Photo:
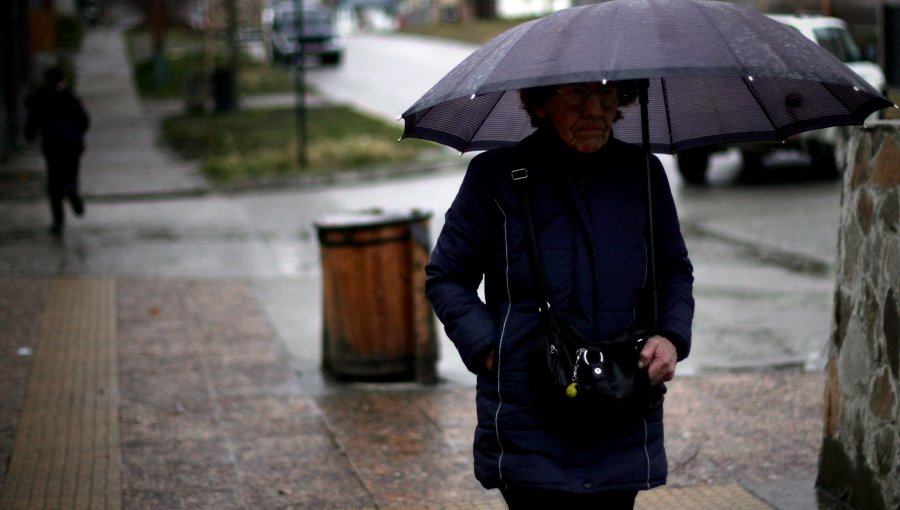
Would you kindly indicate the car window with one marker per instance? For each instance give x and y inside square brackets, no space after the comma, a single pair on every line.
[314,22]
[839,43]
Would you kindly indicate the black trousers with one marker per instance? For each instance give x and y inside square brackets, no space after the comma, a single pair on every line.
[527,499]
[62,183]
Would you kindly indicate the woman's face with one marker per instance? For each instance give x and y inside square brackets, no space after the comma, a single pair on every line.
[583,114]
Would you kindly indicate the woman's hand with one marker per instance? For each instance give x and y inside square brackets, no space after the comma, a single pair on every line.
[489,360]
[659,357]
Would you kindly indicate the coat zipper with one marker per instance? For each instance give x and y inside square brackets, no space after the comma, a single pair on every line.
[500,343]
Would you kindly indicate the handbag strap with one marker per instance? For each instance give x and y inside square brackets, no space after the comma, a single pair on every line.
[520,182]
[519,177]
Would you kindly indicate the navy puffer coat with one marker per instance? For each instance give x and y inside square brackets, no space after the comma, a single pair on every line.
[589,212]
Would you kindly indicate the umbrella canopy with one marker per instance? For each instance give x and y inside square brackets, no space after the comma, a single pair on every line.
[718,73]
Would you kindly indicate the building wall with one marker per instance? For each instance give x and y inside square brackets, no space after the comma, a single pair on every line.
[14,68]
[860,458]
[521,8]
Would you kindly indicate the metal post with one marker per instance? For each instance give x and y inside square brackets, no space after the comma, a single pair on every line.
[234,55]
[643,93]
[300,82]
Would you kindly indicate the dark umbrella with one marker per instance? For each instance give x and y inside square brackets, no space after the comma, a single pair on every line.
[709,73]
[718,73]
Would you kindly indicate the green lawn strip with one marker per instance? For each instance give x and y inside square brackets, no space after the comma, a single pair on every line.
[260,143]
[165,77]
[477,31]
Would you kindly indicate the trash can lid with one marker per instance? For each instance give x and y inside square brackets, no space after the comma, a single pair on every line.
[369,218]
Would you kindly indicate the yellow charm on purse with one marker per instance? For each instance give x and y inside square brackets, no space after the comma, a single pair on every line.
[572,390]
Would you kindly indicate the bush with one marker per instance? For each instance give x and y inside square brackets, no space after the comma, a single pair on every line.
[69,32]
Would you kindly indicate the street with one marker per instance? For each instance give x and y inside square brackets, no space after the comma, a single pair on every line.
[763,252]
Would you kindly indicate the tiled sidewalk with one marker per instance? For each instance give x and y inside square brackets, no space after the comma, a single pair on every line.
[210,415]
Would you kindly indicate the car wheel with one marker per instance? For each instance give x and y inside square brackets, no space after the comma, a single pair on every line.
[824,159]
[752,161]
[331,59]
[692,165]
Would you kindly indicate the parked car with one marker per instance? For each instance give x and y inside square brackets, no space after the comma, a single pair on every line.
[319,33]
[824,146]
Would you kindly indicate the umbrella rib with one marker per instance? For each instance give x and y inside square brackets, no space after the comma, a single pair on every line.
[762,106]
[481,124]
[836,98]
[665,95]
[521,31]
[726,42]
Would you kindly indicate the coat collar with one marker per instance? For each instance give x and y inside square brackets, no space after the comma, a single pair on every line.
[544,148]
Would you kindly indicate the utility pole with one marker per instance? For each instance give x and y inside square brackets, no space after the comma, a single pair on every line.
[234,52]
[300,85]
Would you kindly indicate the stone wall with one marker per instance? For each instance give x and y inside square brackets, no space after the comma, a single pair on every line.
[860,458]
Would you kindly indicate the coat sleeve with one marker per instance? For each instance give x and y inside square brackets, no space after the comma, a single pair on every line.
[673,268]
[457,266]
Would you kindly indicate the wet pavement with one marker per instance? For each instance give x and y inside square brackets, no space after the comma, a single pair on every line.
[213,301]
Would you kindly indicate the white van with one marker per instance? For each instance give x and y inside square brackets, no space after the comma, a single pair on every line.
[319,34]
[823,145]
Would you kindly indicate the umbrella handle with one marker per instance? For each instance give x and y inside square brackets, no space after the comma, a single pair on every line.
[643,88]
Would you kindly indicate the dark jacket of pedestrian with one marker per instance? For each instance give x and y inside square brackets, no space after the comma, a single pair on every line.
[57,114]
[589,212]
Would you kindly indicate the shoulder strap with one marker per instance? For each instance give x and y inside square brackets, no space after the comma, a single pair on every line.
[520,183]
[519,177]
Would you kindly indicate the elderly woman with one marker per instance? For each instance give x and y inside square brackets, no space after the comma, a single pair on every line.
[588,193]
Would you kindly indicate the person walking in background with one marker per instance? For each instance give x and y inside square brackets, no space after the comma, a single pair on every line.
[589,214]
[57,114]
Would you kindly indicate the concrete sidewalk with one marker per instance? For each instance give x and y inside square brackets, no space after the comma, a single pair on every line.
[123,158]
[169,393]
[141,392]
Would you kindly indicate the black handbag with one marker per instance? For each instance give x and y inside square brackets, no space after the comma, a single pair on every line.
[576,382]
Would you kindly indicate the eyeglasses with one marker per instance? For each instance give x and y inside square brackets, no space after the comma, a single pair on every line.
[577,96]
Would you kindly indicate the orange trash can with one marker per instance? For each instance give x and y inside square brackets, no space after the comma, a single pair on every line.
[377,323]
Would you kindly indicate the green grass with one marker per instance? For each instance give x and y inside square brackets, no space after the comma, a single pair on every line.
[165,77]
[69,32]
[476,31]
[260,143]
